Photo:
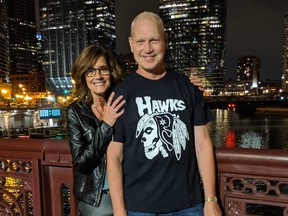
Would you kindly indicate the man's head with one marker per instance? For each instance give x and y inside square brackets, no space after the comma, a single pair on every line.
[148,42]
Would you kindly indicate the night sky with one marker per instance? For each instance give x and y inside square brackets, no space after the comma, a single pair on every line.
[254,27]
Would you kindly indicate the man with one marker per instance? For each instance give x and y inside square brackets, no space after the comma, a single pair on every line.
[161,143]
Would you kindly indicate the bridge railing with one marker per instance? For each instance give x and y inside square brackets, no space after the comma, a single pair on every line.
[36,178]
[253,181]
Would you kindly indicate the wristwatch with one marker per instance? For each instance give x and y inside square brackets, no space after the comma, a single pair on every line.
[211,199]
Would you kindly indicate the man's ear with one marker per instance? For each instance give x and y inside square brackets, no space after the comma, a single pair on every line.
[130,44]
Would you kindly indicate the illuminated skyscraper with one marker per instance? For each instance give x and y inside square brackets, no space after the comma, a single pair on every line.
[248,72]
[285,56]
[196,36]
[4,45]
[248,68]
[68,26]
[22,36]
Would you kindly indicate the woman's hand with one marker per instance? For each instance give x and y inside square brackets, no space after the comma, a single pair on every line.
[197,81]
[112,111]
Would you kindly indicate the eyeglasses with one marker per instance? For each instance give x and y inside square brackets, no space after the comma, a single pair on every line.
[102,70]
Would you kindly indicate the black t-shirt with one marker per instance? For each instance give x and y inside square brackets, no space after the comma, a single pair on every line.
[159,168]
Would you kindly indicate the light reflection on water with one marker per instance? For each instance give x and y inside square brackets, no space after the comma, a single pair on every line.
[259,131]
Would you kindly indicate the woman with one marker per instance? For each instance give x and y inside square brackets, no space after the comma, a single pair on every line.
[89,124]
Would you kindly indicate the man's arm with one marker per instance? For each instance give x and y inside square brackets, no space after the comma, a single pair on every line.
[206,164]
[115,177]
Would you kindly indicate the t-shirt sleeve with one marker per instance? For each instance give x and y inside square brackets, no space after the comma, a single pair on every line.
[119,132]
[118,135]
[202,113]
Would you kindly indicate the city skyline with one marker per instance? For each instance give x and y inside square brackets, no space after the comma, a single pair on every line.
[254,27]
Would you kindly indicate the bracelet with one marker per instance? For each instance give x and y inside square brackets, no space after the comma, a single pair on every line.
[211,199]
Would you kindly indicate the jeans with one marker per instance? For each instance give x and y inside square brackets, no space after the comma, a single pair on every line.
[104,209]
[194,211]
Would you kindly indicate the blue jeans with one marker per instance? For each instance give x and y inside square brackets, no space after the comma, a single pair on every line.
[194,211]
[104,209]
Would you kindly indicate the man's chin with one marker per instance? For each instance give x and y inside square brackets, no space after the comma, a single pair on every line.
[149,68]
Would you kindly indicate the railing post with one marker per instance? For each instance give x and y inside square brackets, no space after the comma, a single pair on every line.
[58,180]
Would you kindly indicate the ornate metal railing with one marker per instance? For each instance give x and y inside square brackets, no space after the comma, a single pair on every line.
[36,178]
[253,181]
[20,178]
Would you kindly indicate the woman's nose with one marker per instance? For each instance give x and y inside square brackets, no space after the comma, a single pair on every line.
[98,75]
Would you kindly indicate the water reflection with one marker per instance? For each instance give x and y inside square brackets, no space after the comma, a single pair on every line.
[231,130]
[259,131]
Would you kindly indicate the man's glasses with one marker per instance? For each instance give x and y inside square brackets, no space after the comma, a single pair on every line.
[102,70]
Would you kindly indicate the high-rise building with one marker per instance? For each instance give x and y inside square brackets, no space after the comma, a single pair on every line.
[248,72]
[196,36]
[285,56]
[127,63]
[4,44]
[23,50]
[67,27]
[22,36]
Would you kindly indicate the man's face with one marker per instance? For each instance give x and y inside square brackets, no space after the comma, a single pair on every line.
[148,44]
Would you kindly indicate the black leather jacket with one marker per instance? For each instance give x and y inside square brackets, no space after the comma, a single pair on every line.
[88,140]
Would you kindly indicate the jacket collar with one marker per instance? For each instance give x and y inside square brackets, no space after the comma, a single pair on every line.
[85,110]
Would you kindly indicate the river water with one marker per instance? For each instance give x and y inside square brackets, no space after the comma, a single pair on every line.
[259,131]
[228,129]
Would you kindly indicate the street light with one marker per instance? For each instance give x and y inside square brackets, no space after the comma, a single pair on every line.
[3,94]
[4,91]
[20,94]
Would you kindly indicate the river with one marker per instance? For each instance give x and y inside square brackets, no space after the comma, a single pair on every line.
[228,129]
[259,131]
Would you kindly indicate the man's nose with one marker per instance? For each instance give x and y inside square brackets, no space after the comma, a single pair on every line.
[147,47]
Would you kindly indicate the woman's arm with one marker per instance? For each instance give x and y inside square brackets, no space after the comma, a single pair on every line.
[197,81]
[87,144]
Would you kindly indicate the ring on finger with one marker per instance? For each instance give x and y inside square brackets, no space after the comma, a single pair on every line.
[114,110]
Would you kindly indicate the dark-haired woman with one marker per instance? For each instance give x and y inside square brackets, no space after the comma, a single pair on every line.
[90,120]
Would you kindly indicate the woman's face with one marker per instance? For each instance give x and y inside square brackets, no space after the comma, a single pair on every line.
[97,77]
